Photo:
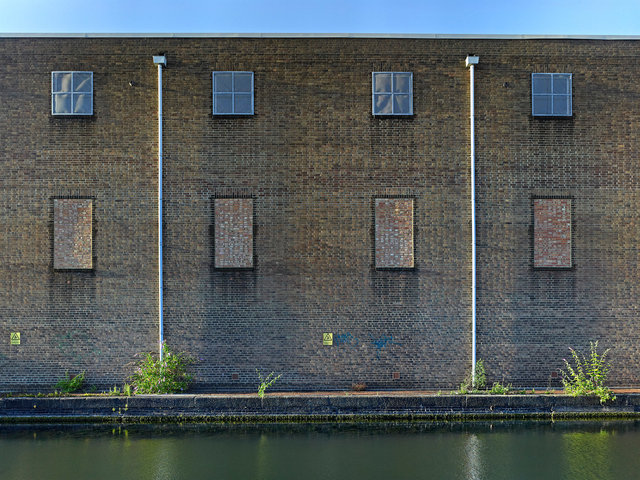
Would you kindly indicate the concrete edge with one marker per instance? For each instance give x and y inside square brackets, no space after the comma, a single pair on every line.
[320,408]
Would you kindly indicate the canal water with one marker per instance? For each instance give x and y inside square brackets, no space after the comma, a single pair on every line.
[389,451]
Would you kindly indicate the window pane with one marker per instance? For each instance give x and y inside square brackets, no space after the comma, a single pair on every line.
[81,82]
[222,82]
[541,83]
[401,82]
[223,103]
[560,104]
[82,103]
[382,82]
[382,104]
[561,83]
[242,103]
[242,82]
[62,103]
[401,104]
[542,105]
[62,82]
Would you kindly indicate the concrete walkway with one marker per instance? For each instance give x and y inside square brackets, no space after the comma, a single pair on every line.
[292,407]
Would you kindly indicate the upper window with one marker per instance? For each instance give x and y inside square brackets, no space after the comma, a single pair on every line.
[551,94]
[72,93]
[233,93]
[392,93]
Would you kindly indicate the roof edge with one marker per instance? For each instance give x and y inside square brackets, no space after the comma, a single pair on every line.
[323,35]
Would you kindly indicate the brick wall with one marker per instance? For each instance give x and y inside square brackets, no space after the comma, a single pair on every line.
[309,167]
[528,317]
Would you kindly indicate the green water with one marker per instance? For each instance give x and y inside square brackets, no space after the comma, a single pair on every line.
[499,450]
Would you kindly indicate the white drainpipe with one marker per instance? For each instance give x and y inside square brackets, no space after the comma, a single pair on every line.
[470,62]
[160,61]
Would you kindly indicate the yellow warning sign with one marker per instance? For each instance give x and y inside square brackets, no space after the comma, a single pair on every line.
[327,339]
[15,338]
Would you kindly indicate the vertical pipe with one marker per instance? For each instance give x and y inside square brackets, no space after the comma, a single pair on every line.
[471,61]
[473,228]
[160,277]
[160,61]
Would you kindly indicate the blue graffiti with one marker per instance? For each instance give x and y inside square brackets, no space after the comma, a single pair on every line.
[345,339]
[381,343]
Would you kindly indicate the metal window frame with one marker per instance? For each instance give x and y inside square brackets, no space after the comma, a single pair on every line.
[72,92]
[232,92]
[568,95]
[392,93]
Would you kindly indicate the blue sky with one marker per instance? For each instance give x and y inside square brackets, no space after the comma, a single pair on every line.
[557,17]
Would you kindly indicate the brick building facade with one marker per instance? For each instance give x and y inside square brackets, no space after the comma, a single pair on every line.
[303,213]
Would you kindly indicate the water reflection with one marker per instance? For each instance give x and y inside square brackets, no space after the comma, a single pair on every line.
[262,457]
[404,450]
[588,455]
[473,457]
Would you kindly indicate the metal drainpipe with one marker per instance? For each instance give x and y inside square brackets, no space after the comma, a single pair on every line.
[470,62]
[160,61]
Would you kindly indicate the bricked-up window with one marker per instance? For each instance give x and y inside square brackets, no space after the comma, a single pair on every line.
[551,94]
[233,232]
[392,93]
[72,93]
[552,233]
[72,234]
[233,93]
[394,232]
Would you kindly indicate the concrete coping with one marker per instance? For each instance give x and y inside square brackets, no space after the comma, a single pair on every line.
[275,407]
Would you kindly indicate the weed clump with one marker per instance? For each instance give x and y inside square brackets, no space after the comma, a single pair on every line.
[168,375]
[70,383]
[588,375]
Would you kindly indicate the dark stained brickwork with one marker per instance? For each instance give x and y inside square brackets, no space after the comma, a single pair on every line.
[72,233]
[233,232]
[552,232]
[313,159]
[394,232]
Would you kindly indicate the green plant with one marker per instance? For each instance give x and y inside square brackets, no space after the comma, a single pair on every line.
[70,384]
[265,382]
[500,389]
[126,389]
[588,375]
[168,375]
[115,391]
[481,376]
[470,385]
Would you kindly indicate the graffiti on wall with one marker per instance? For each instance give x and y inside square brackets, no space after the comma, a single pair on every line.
[380,344]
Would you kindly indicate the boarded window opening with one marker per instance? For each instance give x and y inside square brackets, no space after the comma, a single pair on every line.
[552,233]
[72,234]
[394,233]
[233,224]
